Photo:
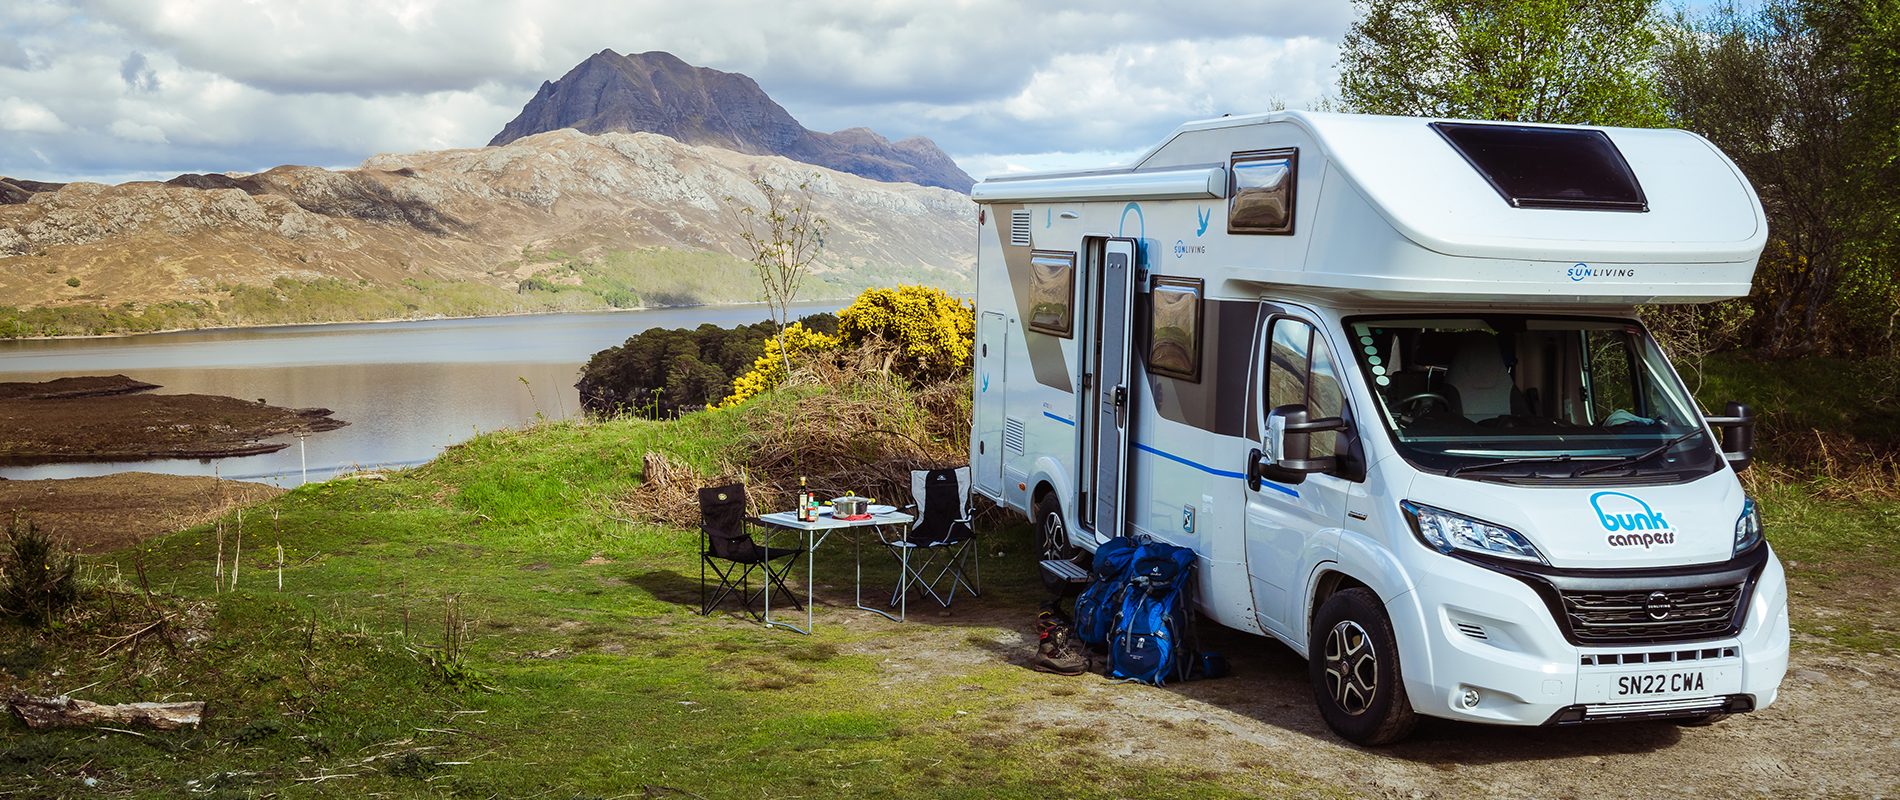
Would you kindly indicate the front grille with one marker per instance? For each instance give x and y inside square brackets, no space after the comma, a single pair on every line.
[1619,617]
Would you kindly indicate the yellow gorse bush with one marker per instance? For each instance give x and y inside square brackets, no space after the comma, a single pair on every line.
[934,331]
[769,369]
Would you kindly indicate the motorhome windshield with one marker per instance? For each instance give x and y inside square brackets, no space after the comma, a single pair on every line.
[1515,397]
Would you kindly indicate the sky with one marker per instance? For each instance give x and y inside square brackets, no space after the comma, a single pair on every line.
[117,90]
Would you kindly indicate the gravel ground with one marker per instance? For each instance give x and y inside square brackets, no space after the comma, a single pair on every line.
[1831,733]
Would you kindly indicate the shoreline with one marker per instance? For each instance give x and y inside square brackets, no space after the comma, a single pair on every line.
[845,300]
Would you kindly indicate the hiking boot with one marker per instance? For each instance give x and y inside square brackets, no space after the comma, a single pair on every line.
[1058,652]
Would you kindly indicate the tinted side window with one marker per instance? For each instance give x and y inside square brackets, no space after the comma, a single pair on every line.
[1260,192]
[1052,292]
[1174,335]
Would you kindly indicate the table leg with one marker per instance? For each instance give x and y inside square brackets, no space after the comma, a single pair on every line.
[858,556]
[810,566]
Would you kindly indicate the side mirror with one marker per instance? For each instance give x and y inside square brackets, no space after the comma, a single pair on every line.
[1289,456]
[1737,426]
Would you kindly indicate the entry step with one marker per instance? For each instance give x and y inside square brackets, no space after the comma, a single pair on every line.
[1065,570]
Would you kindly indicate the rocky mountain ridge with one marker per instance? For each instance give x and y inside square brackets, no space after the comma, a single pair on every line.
[454,215]
[656,92]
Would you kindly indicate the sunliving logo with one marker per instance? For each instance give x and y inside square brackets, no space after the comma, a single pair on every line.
[1631,522]
[1581,271]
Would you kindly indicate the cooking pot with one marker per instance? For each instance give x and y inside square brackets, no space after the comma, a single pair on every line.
[850,506]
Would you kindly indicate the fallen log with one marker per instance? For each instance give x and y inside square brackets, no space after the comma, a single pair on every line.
[50,712]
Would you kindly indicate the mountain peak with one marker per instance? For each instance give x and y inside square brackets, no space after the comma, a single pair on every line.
[656,92]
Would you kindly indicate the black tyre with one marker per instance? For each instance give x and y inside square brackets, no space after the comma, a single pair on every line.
[1354,664]
[1052,535]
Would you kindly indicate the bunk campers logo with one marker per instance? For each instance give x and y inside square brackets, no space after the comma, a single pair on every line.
[1631,522]
[1183,249]
[1585,271]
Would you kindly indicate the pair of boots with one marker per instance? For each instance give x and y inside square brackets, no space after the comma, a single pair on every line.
[1057,649]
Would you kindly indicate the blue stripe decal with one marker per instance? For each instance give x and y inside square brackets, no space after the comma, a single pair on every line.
[1212,471]
[1056,418]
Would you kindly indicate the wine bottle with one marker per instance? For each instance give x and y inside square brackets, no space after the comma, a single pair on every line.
[806,511]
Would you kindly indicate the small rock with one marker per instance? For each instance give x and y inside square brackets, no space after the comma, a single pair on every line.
[1812,677]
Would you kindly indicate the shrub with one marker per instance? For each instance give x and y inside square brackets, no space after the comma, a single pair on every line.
[934,331]
[39,576]
[73,282]
[769,369]
[536,285]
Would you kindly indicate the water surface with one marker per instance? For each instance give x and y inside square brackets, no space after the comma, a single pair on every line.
[408,389]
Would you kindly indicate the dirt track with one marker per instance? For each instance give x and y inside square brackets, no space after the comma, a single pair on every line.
[1831,734]
[99,515]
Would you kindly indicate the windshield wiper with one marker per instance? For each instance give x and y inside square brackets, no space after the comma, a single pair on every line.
[1645,456]
[1557,459]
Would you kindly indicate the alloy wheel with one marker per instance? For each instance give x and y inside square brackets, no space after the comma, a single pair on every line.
[1352,667]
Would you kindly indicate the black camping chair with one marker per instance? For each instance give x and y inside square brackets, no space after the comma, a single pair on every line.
[726,546]
[941,536]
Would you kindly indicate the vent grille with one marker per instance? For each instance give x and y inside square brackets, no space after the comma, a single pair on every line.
[1013,435]
[1473,631]
[1665,657]
[1612,617]
[1019,227]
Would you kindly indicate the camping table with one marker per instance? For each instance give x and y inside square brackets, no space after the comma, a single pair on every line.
[815,534]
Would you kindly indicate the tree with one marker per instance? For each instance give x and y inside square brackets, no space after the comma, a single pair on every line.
[1796,92]
[1562,61]
[784,238]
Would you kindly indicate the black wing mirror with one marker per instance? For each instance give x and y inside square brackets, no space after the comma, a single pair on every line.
[1289,457]
[1738,434]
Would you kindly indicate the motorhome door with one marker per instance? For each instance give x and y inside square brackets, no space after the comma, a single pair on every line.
[1103,412]
[1293,365]
[992,345]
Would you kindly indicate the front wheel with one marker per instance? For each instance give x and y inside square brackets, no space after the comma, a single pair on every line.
[1353,660]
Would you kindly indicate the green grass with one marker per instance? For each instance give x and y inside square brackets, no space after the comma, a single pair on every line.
[1843,564]
[571,680]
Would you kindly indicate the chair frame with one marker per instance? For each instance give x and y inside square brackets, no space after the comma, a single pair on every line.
[956,561]
[766,554]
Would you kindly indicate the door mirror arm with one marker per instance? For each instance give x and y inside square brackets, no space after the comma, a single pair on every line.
[1737,427]
[1289,456]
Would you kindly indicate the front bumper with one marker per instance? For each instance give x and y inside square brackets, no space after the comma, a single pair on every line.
[1474,628]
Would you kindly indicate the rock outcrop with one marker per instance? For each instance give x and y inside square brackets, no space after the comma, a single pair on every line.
[658,93]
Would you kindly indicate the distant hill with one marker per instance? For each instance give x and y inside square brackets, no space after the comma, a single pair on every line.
[658,93]
[637,213]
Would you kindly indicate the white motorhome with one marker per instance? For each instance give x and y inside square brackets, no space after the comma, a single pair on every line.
[1385,377]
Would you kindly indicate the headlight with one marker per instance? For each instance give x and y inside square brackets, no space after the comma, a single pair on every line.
[1748,527]
[1446,532]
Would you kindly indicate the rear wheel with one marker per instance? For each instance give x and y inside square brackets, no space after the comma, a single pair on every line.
[1052,536]
[1353,660]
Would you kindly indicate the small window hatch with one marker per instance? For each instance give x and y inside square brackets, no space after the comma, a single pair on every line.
[1533,167]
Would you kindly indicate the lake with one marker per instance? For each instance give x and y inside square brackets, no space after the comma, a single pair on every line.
[408,389]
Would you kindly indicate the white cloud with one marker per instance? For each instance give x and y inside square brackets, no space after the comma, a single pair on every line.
[134,86]
[27,116]
[127,129]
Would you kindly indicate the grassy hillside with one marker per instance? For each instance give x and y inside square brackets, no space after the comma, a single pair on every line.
[496,624]
[556,280]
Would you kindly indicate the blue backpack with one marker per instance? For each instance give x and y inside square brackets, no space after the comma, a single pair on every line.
[1097,607]
[1146,643]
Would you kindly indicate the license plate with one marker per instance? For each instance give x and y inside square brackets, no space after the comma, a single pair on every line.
[1660,684]
[1656,682]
